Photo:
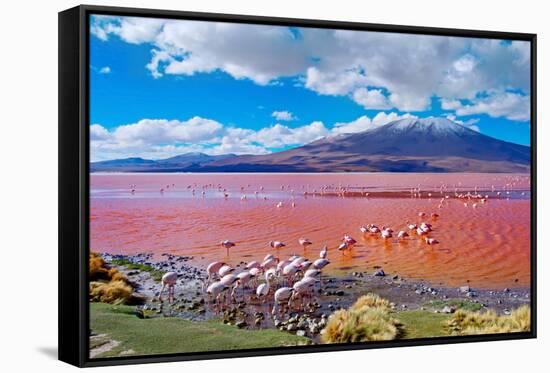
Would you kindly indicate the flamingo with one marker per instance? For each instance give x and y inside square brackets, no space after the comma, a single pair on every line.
[262,290]
[253,264]
[276,244]
[386,234]
[169,280]
[304,242]
[324,252]
[431,241]
[421,214]
[343,246]
[282,295]
[402,235]
[320,263]
[412,226]
[374,229]
[254,272]
[303,288]
[426,227]
[270,262]
[364,229]
[227,244]
[290,271]
[421,232]
[212,269]
[216,289]
[225,270]
[313,272]
[279,205]
[349,240]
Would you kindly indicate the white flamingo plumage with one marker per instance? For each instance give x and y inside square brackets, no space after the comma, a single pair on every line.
[304,242]
[169,280]
[324,252]
[227,245]
[282,295]
[225,270]
[276,244]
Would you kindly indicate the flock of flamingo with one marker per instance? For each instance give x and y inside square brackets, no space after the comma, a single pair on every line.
[283,282]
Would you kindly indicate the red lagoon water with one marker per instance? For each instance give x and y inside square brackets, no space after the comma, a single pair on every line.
[189,214]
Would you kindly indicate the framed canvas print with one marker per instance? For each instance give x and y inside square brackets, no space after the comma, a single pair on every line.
[239,186]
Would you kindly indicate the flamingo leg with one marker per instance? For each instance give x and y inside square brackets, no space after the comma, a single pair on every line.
[161,291]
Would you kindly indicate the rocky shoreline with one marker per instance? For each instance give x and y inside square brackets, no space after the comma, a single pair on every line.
[333,293]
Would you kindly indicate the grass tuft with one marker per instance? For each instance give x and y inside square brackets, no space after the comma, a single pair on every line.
[369,319]
[115,292]
[468,323]
[108,285]
[155,273]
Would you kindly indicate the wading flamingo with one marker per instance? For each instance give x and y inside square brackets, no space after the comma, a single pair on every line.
[168,280]
[323,253]
[215,290]
[304,242]
[281,296]
[402,235]
[276,244]
[227,244]
[213,269]
[431,241]
[225,270]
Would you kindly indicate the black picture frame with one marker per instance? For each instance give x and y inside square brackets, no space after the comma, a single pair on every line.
[74,160]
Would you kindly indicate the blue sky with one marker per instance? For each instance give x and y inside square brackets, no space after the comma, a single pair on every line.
[161,88]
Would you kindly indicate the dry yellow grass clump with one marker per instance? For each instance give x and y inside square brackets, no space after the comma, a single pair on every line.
[369,319]
[107,284]
[468,323]
[111,292]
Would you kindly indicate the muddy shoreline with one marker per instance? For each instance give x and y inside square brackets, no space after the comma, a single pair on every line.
[334,292]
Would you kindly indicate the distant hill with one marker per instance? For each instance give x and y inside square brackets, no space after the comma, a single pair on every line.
[407,145]
[183,162]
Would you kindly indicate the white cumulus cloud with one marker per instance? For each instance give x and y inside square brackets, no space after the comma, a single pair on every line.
[283,115]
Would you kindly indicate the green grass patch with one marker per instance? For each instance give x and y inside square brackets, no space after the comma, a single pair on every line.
[163,335]
[423,324]
[457,304]
[155,273]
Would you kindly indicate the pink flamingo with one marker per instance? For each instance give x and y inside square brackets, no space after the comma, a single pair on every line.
[281,296]
[343,247]
[402,235]
[290,271]
[227,245]
[324,252]
[276,244]
[349,240]
[216,289]
[431,241]
[169,280]
[270,262]
[253,264]
[386,234]
[303,288]
[225,270]
[320,263]
[304,242]
[212,269]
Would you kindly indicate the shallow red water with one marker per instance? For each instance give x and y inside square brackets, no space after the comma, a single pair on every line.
[489,245]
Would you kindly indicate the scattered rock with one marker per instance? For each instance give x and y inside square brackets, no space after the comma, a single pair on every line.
[380,273]
[464,289]
[301,333]
[447,309]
